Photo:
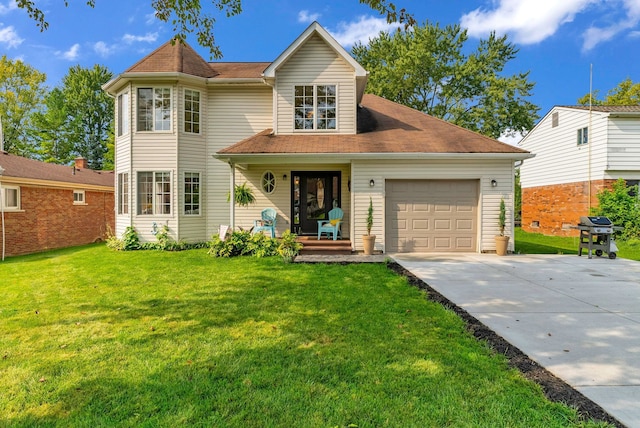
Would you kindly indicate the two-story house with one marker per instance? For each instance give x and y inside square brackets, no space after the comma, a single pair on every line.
[579,151]
[301,133]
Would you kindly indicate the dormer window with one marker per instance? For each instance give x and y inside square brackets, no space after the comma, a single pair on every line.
[315,107]
[154,109]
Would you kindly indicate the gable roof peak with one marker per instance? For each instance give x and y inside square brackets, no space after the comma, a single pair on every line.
[174,56]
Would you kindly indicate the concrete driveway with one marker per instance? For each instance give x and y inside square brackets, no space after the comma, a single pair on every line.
[577,317]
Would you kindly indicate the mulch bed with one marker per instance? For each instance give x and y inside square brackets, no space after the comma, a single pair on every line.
[554,388]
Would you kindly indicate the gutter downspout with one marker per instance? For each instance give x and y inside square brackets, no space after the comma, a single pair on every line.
[232,197]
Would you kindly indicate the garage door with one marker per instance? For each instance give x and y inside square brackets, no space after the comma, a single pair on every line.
[431,215]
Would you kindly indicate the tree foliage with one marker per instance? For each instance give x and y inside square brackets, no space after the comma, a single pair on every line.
[191,16]
[22,93]
[622,206]
[626,93]
[49,133]
[426,68]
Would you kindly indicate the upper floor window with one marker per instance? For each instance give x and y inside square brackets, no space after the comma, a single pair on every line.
[154,109]
[191,111]
[123,193]
[123,114]
[192,193]
[583,136]
[78,197]
[315,107]
[154,192]
[10,198]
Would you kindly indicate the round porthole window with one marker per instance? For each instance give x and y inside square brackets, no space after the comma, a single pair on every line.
[268,182]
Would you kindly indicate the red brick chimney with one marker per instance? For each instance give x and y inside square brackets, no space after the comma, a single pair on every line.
[81,163]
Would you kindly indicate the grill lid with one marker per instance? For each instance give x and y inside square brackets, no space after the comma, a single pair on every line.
[595,221]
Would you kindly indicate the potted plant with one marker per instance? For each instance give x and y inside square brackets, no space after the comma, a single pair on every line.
[369,240]
[289,247]
[502,241]
[243,195]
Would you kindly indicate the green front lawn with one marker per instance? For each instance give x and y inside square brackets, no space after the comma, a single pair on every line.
[536,243]
[92,337]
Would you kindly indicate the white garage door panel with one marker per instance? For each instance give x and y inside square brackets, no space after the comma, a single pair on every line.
[431,215]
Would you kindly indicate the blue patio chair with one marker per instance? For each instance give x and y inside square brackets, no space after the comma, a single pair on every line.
[267,222]
[331,226]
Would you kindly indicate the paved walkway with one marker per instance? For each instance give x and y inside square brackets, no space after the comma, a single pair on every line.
[577,317]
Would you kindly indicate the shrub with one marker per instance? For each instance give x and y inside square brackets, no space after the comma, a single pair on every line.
[622,207]
[130,241]
[234,245]
[261,245]
[289,247]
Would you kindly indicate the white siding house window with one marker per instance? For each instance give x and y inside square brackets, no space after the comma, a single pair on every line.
[154,192]
[315,107]
[123,114]
[191,111]
[583,136]
[154,109]
[123,193]
[11,198]
[78,197]
[192,193]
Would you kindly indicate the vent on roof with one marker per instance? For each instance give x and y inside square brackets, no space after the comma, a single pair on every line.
[554,119]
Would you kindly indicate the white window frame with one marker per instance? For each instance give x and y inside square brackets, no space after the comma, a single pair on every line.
[79,197]
[583,136]
[123,193]
[312,112]
[160,112]
[123,114]
[192,112]
[188,207]
[268,182]
[159,197]
[5,190]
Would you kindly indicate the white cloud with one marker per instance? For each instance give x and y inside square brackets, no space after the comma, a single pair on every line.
[9,37]
[362,30]
[149,38]
[305,17]
[103,49]
[530,22]
[11,5]
[70,55]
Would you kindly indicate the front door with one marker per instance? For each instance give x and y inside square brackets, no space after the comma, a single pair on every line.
[313,195]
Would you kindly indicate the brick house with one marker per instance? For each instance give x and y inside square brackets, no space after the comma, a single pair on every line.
[579,152]
[47,206]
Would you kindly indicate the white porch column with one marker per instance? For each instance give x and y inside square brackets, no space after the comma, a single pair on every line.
[232,199]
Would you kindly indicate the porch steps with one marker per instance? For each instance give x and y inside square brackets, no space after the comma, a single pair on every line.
[324,246]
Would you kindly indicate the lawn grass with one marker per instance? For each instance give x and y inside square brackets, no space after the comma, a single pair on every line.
[92,337]
[536,243]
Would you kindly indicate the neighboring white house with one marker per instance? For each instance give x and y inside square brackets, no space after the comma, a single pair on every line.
[302,134]
[579,151]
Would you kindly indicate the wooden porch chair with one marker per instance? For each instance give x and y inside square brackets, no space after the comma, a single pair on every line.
[267,222]
[331,226]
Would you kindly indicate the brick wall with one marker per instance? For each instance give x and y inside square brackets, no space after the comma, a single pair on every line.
[558,206]
[48,219]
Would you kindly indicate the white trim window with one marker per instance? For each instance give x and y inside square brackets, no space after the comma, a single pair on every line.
[154,192]
[154,109]
[191,111]
[583,136]
[315,107]
[123,193]
[192,193]
[123,114]
[268,182]
[78,197]
[11,198]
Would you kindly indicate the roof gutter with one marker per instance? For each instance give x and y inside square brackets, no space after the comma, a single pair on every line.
[22,181]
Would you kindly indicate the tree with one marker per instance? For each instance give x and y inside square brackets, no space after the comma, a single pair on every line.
[187,16]
[54,145]
[21,95]
[626,93]
[89,113]
[426,68]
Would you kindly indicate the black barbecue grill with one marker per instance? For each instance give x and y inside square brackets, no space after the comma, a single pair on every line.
[596,233]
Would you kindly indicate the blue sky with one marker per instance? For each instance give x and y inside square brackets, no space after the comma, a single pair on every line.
[557,40]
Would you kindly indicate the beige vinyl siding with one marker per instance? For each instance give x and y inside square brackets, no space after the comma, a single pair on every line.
[192,157]
[316,63]
[234,113]
[558,159]
[280,199]
[122,163]
[624,145]
[483,170]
